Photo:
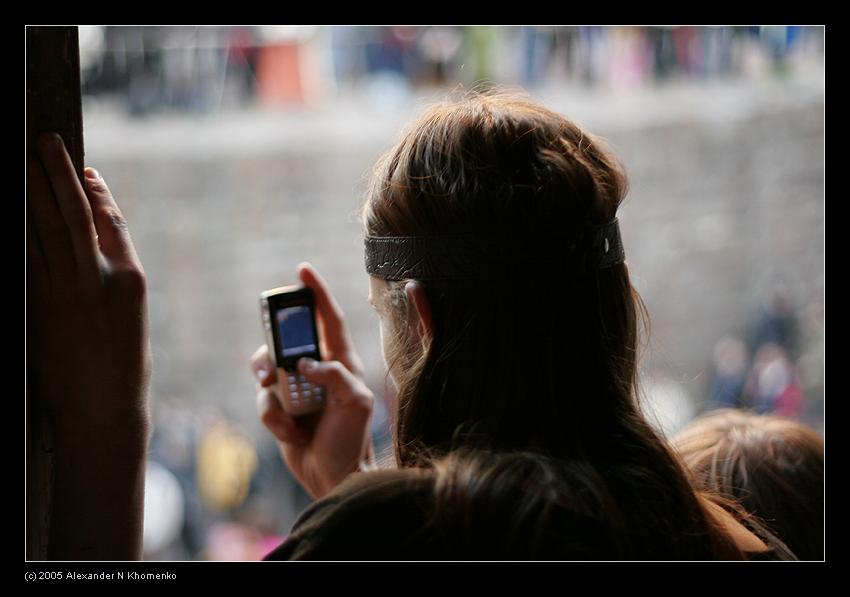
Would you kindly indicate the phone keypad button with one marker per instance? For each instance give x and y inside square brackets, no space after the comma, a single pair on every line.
[302,391]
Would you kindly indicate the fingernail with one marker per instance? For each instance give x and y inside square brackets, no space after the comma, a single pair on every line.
[92,173]
[306,364]
[262,374]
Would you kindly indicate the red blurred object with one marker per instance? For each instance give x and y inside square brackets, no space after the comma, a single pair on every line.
[279,76]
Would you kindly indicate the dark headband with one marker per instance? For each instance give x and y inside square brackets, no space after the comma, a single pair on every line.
[462,257]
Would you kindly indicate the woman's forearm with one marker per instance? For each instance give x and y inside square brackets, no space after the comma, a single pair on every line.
[98,494]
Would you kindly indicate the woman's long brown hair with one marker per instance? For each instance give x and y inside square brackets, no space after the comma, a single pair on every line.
[540,359]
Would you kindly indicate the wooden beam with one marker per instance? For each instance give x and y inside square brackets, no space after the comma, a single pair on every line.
[53,87]
[53,103]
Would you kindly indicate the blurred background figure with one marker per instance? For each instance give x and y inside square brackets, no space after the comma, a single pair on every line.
[242,52]
[730,371]
[164,514]
[773,466]
[244,525]
[226,464]
[237,152]
[439,47]
[537,46]
[173,447]
[775,323]
[810,365]
[772,385]
[667,404]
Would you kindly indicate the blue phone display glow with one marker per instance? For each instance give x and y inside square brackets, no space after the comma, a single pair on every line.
[295,325]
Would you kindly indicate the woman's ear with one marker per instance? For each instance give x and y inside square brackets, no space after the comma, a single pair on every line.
[417,297]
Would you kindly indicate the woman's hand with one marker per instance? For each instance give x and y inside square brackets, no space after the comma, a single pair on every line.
[89,346]
[321,449]
[89,357]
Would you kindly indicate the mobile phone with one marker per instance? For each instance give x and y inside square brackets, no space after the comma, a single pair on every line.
[290,324]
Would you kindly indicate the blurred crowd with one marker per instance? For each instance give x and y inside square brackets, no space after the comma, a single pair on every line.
[202,69]
[214,491]
[205,485]
[778,367]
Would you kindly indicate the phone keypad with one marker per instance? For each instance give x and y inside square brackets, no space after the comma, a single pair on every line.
[301,390]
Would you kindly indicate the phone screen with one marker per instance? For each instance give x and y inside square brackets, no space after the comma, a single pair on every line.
[289,320]
[296,331]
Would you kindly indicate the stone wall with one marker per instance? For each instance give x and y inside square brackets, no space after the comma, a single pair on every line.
[725,203]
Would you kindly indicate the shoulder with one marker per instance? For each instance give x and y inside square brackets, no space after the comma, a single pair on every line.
[777,549]
[754,540]
[769,555]
[370,516]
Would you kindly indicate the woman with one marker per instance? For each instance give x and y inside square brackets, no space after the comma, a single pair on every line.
[510,329]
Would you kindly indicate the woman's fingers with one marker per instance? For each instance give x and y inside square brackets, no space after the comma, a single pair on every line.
[263,368]
[49,229]
[113,234]
[72,202]
[282,426]
[341,385]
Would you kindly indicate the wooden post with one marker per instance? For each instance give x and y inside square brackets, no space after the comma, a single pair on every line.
[53,103]
[53,87]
